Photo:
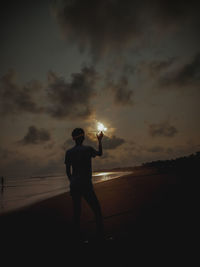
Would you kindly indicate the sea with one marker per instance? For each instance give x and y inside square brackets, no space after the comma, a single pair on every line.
[19,192]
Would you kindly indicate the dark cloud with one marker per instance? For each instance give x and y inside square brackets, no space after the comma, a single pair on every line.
[155,68]
[123,95]
[64,99]
[189,74]
[4,153]
[108,143]
[128,69]
[15,98]
[155,149]
[162,129]
[159,66]
[99,25]
[175,13]
[35,136]
[112,142]
[109,25]
[72,99]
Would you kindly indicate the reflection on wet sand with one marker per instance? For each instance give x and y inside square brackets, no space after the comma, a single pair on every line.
[104,176]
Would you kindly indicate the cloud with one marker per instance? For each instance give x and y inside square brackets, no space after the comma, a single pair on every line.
[35,136]
[63,99]
[16,99]
[189,74]
[101,25]
[162,129]
[175,13]
[4,153]
[71,99]
[155,149]
[160,149]
[112,142]
[123,96]
[104,26]
[108,143]
[155,68]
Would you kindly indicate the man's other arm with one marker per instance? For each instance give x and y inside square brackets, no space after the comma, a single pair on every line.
[68,171]
[68,166]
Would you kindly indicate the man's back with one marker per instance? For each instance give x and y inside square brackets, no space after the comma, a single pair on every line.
[79,158]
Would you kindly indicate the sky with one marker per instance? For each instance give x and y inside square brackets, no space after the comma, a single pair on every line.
[132,65]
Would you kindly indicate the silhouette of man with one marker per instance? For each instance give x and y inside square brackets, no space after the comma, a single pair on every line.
[79,172]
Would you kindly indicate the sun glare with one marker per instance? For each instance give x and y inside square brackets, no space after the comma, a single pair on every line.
[101,127]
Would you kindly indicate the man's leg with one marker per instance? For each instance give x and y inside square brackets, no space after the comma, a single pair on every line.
[76,198]
[93,202]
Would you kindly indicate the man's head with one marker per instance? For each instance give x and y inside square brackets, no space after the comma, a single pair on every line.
[78,135]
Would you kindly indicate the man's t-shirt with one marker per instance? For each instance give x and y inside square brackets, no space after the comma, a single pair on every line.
[79,158]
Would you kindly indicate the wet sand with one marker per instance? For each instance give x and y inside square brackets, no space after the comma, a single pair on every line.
[145,212]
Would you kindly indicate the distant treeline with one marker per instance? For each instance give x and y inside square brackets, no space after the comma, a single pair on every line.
[183,165]
[189,163]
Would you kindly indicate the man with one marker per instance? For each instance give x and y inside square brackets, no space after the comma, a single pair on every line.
[79,172]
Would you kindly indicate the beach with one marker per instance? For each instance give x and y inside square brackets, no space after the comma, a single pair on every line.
[143,211]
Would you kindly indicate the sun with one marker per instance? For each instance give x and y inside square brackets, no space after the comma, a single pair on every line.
[101,127]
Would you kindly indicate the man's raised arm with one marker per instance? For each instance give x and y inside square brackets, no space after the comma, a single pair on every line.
[99,137]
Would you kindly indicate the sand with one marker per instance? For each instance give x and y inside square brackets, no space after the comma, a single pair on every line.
[140,212]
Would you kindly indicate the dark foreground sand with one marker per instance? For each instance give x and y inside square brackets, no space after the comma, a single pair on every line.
[141,213]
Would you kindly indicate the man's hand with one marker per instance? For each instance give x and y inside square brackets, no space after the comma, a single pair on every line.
[100,136]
